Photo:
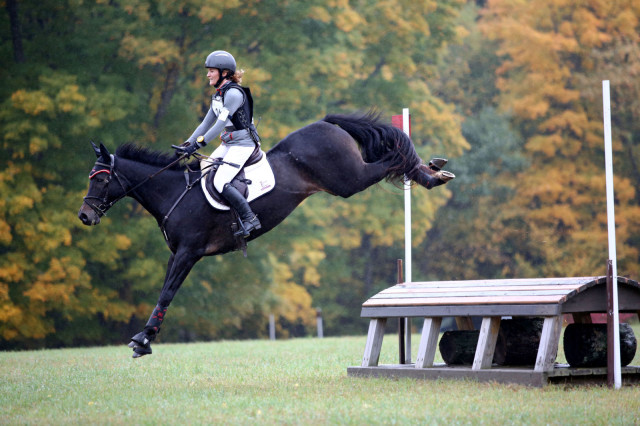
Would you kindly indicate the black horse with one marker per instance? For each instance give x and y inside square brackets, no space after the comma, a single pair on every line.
[341,155]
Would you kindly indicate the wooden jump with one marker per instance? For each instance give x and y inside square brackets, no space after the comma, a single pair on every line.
[549,298]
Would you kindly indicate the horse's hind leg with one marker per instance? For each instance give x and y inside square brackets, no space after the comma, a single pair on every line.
[346,181]
[431,176]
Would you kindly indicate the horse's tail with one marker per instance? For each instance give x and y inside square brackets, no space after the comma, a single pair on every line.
[379,141]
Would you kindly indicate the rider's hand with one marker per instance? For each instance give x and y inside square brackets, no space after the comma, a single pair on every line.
[187,148]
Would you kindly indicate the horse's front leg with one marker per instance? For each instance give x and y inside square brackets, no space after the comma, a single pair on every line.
[178,268]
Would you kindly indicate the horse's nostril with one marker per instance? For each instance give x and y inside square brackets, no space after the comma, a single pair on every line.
[85,219]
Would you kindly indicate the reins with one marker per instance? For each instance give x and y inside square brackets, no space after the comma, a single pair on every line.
[104,206]
[101,209]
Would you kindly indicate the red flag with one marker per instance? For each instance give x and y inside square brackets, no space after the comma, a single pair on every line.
[396,121]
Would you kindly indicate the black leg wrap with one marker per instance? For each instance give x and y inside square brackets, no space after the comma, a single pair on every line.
[141,342]
[155,321]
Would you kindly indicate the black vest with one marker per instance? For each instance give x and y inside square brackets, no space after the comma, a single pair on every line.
[242,119]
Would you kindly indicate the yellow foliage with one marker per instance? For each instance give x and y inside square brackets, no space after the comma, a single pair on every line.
[20,203]
[32,102]
[122,242]
[5,233]
[70,98]
[320,13]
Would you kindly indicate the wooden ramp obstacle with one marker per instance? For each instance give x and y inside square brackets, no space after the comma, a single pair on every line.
[548,298]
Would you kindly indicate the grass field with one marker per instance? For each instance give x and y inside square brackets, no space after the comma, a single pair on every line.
[297,381]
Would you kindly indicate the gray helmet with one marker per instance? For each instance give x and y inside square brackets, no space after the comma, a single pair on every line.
[221,60]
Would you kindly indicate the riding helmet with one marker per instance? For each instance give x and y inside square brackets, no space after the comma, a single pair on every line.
[221,60]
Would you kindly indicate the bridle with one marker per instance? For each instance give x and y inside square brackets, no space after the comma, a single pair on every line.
[104,205]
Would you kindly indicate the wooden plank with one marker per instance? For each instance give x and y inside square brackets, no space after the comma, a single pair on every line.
[486,343]
[374,342]
[533,293]
[428,342]
[395,290]
[549,340]
[422,311]
[581,317]
[522,376]
[464,323]
[427,301]
[580,281]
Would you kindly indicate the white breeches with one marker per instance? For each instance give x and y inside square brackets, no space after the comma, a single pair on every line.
[230,154]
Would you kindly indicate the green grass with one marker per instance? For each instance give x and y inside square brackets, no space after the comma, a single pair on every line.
[297,381]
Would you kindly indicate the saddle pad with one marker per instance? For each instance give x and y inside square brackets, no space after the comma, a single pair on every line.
[260,175]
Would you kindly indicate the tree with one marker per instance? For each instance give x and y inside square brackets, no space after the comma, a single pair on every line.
[548,50]
[141,78]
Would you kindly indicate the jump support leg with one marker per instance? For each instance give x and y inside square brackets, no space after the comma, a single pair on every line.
[374,342]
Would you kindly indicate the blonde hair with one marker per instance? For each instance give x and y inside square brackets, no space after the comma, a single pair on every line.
[237,76]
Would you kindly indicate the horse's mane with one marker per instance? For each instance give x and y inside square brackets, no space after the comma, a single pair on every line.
[149,156]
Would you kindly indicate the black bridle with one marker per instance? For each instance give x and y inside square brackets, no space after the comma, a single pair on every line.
[104,205]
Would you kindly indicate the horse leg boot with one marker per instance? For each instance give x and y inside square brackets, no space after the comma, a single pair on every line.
[141,342]
[249,220]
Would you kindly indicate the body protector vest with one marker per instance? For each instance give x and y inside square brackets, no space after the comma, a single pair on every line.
[243,117]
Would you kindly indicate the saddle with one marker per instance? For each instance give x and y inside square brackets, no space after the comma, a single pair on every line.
[254,179]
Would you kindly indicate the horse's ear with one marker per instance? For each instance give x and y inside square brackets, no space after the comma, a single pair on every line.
[96,149]
[104,152]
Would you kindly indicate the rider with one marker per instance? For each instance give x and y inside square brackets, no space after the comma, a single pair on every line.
[231,113]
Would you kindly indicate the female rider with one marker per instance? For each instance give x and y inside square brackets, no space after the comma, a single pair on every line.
[231,113]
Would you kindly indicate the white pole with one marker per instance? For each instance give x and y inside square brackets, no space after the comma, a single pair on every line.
[611,219]
[407,207]
[406,128]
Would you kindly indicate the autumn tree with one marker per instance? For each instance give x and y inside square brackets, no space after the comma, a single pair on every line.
[140,78]
[550,79]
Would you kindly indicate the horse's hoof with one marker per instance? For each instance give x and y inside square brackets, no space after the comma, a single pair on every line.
[444,176]
[140,344]
[138,352]
[437,164]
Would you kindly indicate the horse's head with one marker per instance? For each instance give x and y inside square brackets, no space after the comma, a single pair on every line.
[101,195]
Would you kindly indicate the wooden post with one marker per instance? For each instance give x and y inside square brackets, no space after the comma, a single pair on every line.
[610,329]
[319,323]
[272,327]
[486,343]
[428,342]
[374,342]
[401,321]
[549,340]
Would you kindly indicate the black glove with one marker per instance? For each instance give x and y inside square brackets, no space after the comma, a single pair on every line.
[187,148]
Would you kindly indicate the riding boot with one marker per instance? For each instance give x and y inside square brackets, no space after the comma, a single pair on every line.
[249,221]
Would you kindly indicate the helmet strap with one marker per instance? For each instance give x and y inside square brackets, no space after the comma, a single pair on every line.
[221,77]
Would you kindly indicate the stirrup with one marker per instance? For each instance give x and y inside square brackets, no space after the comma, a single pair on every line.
[247,226]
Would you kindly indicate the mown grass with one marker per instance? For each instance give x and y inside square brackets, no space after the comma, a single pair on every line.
[298,381]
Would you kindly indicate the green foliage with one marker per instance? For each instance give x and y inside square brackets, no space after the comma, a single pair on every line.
[140,78]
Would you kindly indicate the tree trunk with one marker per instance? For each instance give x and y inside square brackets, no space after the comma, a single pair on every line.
[517,344]
[585,345]
[458,347]
[16,31]
[518,341]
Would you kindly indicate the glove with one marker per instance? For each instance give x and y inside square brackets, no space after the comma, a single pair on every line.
[187,148]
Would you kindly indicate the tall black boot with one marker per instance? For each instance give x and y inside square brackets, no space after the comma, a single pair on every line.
[239,203]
